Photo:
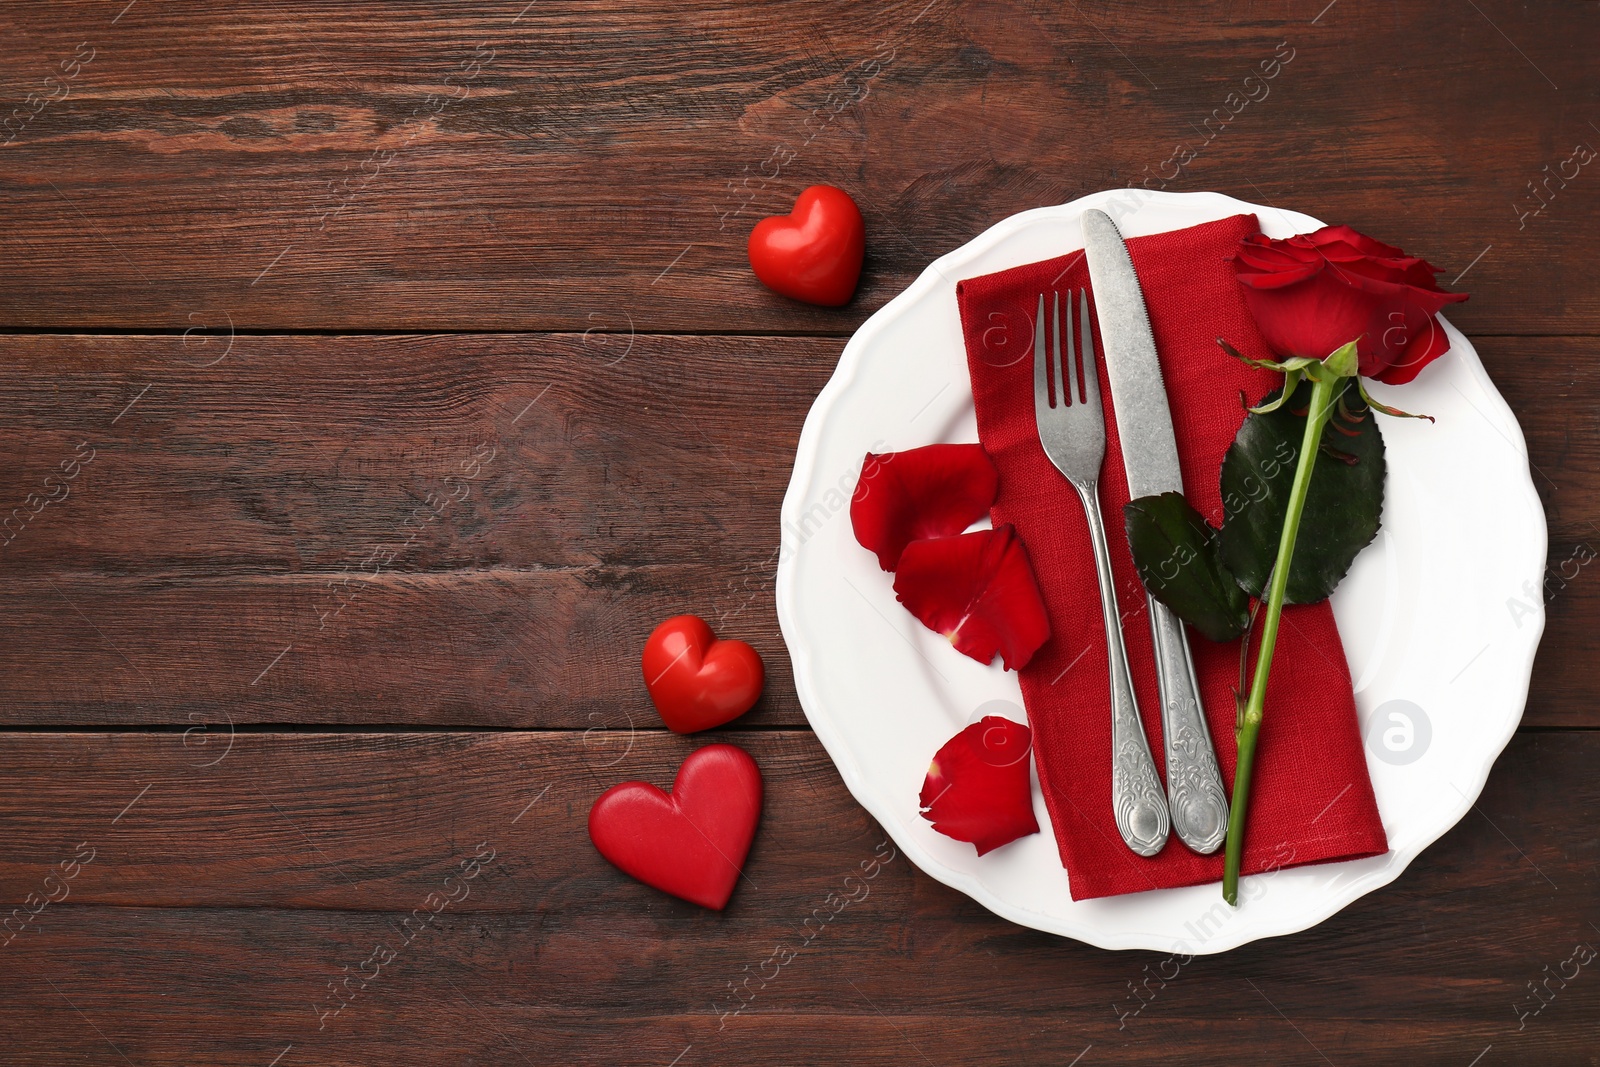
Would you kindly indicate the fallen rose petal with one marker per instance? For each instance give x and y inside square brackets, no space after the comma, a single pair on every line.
[979,591]
[977,788]
[933,491]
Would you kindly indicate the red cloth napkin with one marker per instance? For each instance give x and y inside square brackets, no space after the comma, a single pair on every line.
[1311,801]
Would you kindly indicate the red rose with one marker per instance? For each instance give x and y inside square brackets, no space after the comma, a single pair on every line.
[1314,292]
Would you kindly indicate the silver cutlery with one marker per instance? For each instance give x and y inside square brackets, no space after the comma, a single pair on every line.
[1198,805]
[1072,429]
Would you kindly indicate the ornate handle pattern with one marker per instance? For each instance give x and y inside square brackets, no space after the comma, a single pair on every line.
[1198,805]
[1137,801]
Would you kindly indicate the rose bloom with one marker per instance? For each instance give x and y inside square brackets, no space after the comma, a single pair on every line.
[1314,292]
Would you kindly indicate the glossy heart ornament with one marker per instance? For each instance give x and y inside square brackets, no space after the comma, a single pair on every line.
[697,681]
[813,253]
[692,842]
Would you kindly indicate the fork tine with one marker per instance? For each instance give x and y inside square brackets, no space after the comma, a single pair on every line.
[1070,368]
[1041,362]
[1063,397]
[1091,374]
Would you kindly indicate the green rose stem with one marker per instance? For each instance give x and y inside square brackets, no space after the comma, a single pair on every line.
[1326,385]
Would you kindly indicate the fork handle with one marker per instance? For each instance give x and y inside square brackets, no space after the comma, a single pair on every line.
[1137,800]
[1194,784]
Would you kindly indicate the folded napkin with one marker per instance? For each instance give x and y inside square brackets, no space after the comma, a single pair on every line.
[1311,801]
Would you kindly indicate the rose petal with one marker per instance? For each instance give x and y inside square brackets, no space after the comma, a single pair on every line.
[1312,293]
[1388,271]
[1359,242]
[1259,252]
[978,789]
[1275,279]
[934,491]
[1312,318]
[979,591]
[1429,344]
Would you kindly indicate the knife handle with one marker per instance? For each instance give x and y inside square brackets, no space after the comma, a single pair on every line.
[1137,803]
[1195,798]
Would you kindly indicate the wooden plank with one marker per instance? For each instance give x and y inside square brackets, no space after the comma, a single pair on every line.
[478,530]
[298,454]
[220,905]
[1551,384]
[501,647]
[498,648]
[355,165]
[259,537]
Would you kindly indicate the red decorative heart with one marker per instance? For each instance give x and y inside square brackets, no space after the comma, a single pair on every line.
[813,253]
[692,842]
[697,681]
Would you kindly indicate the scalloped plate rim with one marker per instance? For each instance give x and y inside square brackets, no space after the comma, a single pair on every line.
[940,271]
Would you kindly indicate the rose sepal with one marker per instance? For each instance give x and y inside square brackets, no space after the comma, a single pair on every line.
[1342,362]
[1283,366]
[1385,408]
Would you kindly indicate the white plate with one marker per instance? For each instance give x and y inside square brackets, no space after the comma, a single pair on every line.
[1440,616]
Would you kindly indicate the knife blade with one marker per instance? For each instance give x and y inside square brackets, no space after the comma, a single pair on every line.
[1195,796]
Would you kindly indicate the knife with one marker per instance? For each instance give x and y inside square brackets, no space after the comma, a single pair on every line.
[1198,805]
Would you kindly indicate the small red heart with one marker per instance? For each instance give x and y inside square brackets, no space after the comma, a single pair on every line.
[692,842]
[697,681]
[813,253]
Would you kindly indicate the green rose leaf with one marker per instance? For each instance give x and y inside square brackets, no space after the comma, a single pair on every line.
[1175,550]
[1343,505]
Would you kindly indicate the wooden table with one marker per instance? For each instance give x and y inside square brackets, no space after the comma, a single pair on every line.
[376,378]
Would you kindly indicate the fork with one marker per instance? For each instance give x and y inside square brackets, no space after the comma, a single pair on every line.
[1072,430]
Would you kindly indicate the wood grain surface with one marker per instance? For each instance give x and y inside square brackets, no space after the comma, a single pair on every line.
[518,509]
[278,865]
[359,165]
[376,376]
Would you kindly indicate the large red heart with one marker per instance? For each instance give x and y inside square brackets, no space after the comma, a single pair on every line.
[813,253]
[696,681]
[692,842]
